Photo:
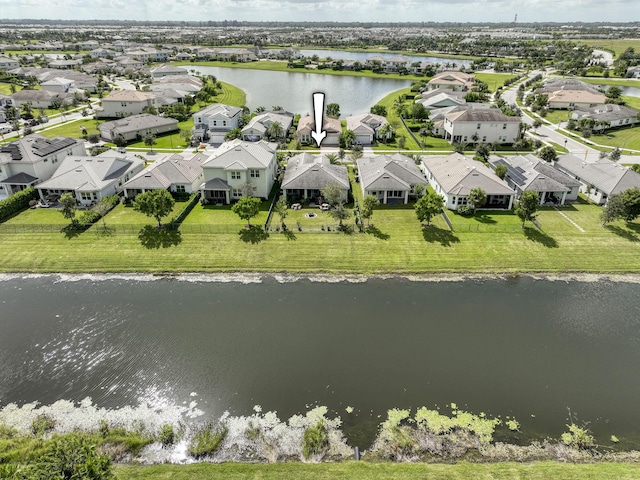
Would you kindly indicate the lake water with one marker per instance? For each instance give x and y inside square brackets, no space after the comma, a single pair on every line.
[294,91]
[362,56]
[521,347]
[626,91]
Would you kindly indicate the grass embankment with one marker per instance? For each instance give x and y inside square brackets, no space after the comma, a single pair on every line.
[491,243]
[616,46]
[386,471]
[281,66]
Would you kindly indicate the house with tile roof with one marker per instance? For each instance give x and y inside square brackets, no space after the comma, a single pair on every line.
[530,173]
[390,178]
[257,128]
[572,99]
[90,178]
[233,165]
[137,127]
[454,176]
[486,125]
[123,103]
[175,173]
[332,126]
[40,98]
[306,175]
[440,98]
[27,161]
[452,80]
[165,70]
[366,127]
[600,179]
[212,123]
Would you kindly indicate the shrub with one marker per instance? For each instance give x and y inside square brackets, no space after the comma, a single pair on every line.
[465,210]
[578,437]
[206,441]
[16,202]
[42,424]
[88,217]
[71,456]
[167,435]
[315,440]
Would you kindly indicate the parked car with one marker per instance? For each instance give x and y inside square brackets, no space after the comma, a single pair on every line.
[5,128]
[32,122]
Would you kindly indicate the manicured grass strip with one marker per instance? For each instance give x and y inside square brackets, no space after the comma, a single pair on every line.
[397,244]
[395,122]
[384,471]
[616,45]
[494,80]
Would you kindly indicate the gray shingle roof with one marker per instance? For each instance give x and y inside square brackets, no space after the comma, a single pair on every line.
[239,155]
[534,174]
[604,174]
[170,170]
[384,172]
[458,175]
[135,123]
[306,171]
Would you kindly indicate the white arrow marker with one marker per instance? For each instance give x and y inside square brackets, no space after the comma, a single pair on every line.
[318,111]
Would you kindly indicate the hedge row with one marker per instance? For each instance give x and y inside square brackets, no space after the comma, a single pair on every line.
[16,202]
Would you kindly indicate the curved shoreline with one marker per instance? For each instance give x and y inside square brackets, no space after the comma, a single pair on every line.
[264,277]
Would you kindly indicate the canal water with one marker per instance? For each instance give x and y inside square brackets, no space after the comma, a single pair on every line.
[523,347]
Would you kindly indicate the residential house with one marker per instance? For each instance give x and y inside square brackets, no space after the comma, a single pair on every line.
[306,175]
[633,72]
[390,178]
[235,55]
[126,62]
[146,55]
[332,126]
[600,179]
[41,98]
[123,103]
[59,85]
[175,173]
[8,63]
[454,176]
[183,56]
[90,178]
[530,173]
[439,98]
[366,127]
[102,53]
[452,80]
[212,123]
[258,127]
[572,99]
[32,159]
[166,70]
[608,115]
[236,163]
[136,127]
[487,125]
[65,64]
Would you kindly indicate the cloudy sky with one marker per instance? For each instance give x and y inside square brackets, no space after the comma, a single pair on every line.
[331,10]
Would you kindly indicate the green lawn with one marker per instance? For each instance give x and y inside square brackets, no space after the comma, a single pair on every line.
[394,121]
[125,215]
[384,471]
[38,216]
[557,116]
[72,129]
[5,88]
[615,45]
[494,80]
[627,137]
[220,218]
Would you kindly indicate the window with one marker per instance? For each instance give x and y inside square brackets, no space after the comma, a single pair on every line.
[215,123]
[484,138]
[464,139]
[181,189]
[478,127]
[236,193]
[504,126]
[254,173]
[235,175]
[224,123]
[123,104]
[85,195]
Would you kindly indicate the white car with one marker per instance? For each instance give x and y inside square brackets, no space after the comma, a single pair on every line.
[5,128]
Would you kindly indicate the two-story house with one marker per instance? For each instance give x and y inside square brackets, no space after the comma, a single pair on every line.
[235,164]
[33,159]
[123,103]
[481,125]
[212,123]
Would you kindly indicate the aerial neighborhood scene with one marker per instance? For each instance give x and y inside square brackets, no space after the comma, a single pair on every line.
[388,246]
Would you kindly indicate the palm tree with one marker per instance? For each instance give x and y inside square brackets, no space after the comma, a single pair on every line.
[385,132]
[275,131]
[349,137]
